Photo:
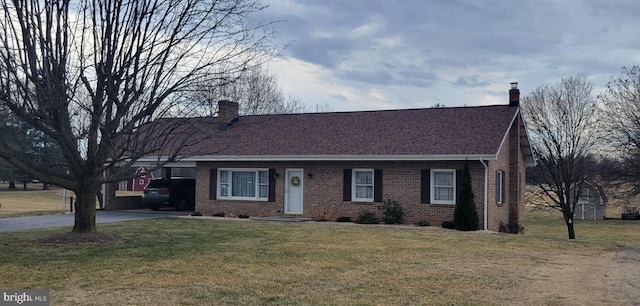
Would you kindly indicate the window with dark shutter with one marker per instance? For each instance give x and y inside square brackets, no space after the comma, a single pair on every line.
[443,186]
[250,184]
[363,185]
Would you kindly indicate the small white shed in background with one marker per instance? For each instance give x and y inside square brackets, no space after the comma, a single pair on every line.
[592,203]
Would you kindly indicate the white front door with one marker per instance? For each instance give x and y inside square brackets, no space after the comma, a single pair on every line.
[293,191]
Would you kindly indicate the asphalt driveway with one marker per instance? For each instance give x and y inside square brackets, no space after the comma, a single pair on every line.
[48,221]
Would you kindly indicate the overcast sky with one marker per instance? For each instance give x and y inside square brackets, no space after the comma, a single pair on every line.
[392,54]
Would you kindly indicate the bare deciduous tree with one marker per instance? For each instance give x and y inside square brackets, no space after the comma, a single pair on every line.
[621,105]
[256,91]
[562,121]
[97,77]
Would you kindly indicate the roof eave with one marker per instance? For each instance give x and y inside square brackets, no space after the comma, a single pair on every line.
[150,161]
[525,144]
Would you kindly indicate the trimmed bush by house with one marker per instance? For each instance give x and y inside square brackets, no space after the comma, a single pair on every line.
[367,217]
[448,224]
[513,228]
[392,212]
[344,219]
[465,216]
[422,223]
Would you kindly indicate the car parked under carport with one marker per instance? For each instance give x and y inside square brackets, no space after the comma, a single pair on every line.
[179,193]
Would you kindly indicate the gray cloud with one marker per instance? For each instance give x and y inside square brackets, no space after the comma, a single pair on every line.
[471,81]
[430,45]
[323,51]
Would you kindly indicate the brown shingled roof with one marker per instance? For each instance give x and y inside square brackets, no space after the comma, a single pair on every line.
[423,132]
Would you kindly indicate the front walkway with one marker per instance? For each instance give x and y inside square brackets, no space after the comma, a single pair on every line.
[281,219]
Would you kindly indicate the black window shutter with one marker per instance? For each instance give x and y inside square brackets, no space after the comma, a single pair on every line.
[425,186]
[459,174]
[272,185]
[377,185]
[213,183]
[499,187]
[346,186]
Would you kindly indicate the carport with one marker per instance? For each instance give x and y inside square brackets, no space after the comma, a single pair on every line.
[114,200]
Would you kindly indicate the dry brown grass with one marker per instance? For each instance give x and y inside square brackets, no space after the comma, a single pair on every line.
[217,262]
[33,200]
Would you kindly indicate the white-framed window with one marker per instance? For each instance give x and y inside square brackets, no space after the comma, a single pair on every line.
[443,186]
[499,187]
[362,185]
[243,184]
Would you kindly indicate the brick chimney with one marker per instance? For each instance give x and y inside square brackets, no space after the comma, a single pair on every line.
[514,95]
[227,111]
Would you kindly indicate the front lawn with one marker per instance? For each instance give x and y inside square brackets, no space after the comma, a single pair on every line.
[215,262]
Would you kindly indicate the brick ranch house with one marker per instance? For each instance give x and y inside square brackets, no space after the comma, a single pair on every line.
[330,165]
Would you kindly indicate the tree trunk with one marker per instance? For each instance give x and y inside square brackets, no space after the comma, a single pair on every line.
[24,186]
[85,206]
[45,186]
[572,233]
[12,185]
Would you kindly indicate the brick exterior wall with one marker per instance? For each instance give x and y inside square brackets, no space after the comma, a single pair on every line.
[323,190]
[498,212]
[511,162]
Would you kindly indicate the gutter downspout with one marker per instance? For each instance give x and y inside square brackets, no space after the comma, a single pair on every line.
[486,196]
